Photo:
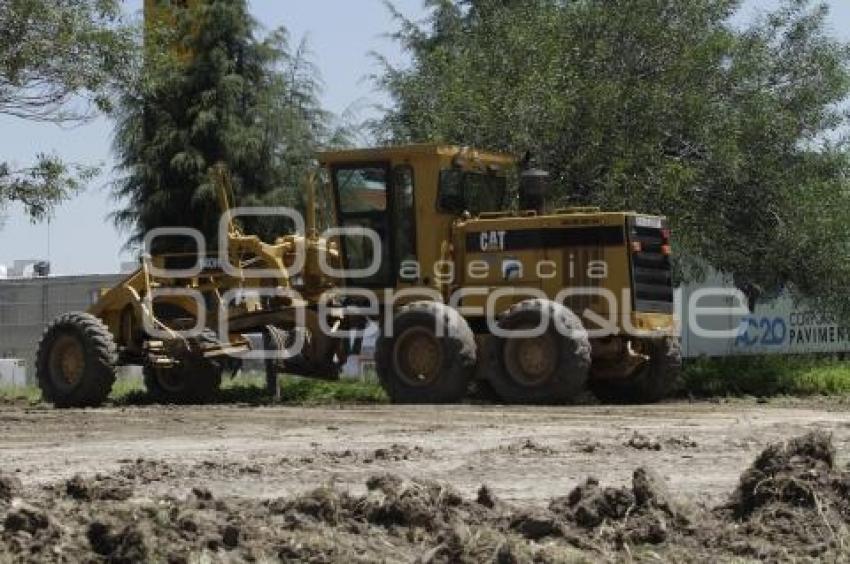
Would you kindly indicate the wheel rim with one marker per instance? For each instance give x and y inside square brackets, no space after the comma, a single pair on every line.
[531,361]
[417,357]
[67,362]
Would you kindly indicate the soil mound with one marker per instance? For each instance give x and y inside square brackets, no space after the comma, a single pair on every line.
[97,488]
[419,503]
[639,441]
[793,503]
[387,483]
[28,530]
[463,545]
[398,453]
[640,514]
[794,496]
[116,543]
[528,447]
[10,487]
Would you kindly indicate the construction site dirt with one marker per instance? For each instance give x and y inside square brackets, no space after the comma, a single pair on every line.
[681,481]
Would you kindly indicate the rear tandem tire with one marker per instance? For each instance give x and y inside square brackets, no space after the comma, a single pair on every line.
[658,380]
[551,369]
[76,361]
[418,365]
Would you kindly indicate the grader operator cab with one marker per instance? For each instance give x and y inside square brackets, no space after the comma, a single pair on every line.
[466,289]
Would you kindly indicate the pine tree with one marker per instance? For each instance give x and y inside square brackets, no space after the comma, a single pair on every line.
[224,95]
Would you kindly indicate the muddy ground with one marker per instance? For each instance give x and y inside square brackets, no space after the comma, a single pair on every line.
[677,481]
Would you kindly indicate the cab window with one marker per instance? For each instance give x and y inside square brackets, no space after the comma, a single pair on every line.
[362,189]
[475,192]
[404,219]
[362,192]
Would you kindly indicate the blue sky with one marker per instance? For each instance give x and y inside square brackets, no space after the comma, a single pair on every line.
[341,34]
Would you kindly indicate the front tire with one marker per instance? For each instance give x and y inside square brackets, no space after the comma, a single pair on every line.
[419,364]
[192,380]
[548,369]
[76,361]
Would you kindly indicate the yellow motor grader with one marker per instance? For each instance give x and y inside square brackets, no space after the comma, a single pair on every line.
[470,283]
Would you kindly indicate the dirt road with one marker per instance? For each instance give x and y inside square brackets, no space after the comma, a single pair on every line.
[526,455]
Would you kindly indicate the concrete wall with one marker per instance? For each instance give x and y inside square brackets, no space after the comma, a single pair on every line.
[28,305]
[783,325]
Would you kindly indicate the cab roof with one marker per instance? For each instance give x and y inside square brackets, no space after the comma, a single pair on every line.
[401,152]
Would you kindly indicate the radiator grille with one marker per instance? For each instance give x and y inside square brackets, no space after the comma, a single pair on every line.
[652,271]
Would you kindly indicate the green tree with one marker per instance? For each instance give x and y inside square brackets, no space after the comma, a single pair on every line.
[656,105]
[58,61]
[224,95]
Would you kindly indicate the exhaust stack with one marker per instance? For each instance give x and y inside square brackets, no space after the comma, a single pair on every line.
[533,189]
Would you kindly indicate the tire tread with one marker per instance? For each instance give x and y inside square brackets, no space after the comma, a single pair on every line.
[101,355]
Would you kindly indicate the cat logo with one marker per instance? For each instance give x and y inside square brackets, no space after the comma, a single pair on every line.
[492,241]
